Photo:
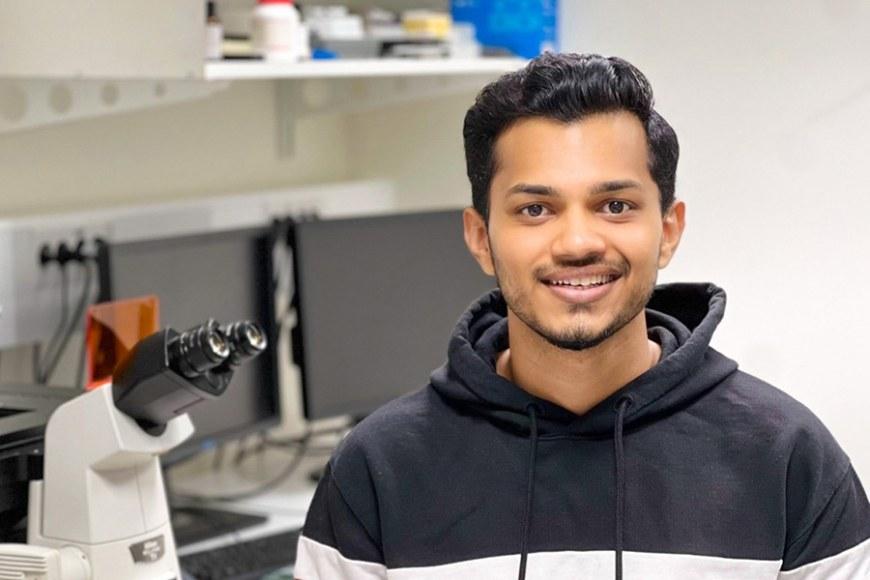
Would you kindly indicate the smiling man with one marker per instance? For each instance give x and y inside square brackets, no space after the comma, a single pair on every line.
[582,426]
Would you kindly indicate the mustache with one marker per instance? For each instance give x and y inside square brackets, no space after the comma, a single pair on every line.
[549,270]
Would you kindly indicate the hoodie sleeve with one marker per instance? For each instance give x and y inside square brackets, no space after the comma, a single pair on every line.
[335,543]
[835,544]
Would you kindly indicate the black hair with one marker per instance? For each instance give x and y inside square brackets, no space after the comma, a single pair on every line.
[566,88]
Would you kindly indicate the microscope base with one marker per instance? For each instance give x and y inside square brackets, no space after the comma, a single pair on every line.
[148,556]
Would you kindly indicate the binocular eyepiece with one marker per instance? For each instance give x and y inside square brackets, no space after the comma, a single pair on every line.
[210,347]
[167,372]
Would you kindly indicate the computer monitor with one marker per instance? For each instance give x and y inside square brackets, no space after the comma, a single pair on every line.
[378,298]
[223,275]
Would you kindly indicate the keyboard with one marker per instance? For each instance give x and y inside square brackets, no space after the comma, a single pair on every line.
[248,560]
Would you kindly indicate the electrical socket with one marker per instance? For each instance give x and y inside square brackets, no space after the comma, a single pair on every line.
[30,295]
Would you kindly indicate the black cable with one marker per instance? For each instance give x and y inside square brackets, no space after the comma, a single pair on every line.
[79,312]
[83,348]
[38,371]
[291,467]
[291,441]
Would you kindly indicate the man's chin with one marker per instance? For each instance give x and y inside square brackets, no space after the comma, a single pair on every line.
[572,339]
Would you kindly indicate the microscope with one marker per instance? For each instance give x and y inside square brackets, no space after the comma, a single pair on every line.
[101,511]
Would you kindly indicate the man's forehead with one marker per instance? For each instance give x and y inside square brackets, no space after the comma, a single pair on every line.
[597,148]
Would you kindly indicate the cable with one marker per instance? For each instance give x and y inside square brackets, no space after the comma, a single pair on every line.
[55,357]
[291,467]
[291,441]
[48,371]
[83,348]
[38,372]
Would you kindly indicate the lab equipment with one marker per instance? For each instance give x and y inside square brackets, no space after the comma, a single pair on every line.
[24,411]
[194,276]
[225,271]
[101,513]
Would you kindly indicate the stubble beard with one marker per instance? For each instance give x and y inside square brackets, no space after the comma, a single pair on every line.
[578,337]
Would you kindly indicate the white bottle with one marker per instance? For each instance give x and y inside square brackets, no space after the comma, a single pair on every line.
[214,33]
[275,30]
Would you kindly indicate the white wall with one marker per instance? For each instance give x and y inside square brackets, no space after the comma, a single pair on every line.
[222,144]
[771,102]
[419,147]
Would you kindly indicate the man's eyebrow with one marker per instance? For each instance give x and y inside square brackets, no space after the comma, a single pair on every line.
[617,185]
[533,189]
[598,189]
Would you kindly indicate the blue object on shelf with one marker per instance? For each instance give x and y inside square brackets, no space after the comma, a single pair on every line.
[323,54]
[524,27]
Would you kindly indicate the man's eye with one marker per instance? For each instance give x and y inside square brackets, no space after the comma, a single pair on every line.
[617,207]
[534,210]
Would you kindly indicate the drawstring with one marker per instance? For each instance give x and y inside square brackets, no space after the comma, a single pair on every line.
[527,517]
[619,453]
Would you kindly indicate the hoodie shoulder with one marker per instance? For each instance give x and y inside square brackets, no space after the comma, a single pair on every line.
[777,415]
[789,439]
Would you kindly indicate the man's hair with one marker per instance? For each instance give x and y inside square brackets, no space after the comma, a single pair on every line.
[565,88]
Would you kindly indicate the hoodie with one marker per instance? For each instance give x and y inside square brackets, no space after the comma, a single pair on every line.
[694,469]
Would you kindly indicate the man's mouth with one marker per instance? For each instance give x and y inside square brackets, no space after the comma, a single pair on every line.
[583,281]
[580,287]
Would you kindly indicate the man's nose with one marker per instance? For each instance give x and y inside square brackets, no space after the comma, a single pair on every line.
[577,236]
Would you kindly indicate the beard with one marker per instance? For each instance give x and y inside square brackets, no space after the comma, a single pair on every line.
[577,336]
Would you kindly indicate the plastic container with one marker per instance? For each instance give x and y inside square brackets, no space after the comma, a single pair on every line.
[525,28]
[214,33]
[276,30]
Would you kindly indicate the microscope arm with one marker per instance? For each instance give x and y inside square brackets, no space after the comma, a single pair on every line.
[26,562]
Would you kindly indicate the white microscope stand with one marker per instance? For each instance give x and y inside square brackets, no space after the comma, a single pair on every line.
[101,512]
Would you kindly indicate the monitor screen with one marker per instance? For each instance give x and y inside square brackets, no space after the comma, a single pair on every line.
[378,300]
[225,276]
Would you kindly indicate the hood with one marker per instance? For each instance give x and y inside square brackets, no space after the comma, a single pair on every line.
[680,317]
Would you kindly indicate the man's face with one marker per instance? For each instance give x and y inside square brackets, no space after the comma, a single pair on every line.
[575,235]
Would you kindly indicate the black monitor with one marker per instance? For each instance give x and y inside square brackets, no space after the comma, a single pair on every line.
[223,275]
[378,298]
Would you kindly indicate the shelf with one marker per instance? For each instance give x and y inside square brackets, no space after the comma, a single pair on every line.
[359,68]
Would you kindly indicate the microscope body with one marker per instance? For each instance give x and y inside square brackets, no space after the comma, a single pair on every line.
[101,511]
[103,490]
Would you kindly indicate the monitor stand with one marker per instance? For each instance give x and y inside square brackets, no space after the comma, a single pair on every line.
[191,524]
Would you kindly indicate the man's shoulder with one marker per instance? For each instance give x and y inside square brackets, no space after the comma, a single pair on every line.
[745,401]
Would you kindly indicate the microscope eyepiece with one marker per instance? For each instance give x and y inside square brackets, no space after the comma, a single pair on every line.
[247,340]
[167,372]
[198,350]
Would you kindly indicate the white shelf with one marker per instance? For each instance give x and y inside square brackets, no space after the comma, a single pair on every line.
[359,68]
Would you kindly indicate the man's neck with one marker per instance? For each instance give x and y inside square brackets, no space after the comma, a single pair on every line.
[576,380]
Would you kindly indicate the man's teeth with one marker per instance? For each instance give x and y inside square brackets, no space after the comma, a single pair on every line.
[583,282]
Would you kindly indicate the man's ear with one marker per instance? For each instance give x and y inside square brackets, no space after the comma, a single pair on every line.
[477,240]
[673,224]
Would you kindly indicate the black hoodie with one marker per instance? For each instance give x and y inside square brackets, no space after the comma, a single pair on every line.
[692,470]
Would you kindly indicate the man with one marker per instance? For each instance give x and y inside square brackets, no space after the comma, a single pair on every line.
[582,426]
